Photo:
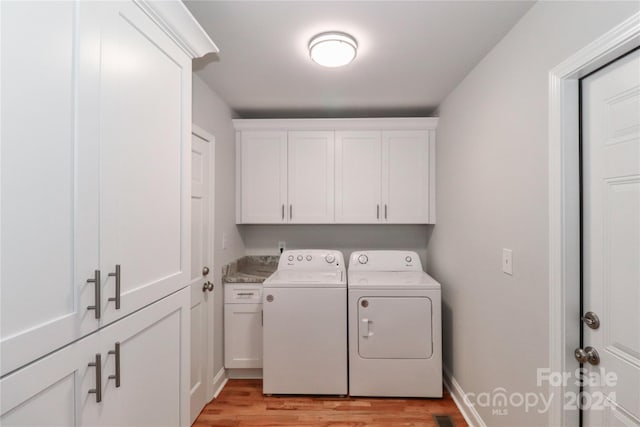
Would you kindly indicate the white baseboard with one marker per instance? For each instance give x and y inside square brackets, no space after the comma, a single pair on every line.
[471,416]
[219,382]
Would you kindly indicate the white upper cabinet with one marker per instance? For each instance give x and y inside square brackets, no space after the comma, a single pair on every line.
[96,119]
[358,176]
[310,172]
[285,177]
[264,177]
[348,171]
[407,175]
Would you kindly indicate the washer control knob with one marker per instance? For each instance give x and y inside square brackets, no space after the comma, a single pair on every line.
[363,259]
[408,259]
[330,258]
[290,257]
[300,258]
[308,257]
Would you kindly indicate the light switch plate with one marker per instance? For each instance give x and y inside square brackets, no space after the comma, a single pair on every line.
[282,246]
[224,241]
[507,261]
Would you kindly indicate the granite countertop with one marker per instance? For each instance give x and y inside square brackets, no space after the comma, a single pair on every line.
[250,269]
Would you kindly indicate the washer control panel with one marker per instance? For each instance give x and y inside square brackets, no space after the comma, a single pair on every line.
[384,261]
[311,259]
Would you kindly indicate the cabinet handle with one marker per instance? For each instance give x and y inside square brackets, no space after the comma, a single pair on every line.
[262,317]
[290,211]
[116,353]
[98,390]
[244,294]
[385,211]
[116,274]
[96,290]
[283,211]
[377,211]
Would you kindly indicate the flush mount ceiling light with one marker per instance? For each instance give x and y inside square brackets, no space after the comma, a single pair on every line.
[333,49]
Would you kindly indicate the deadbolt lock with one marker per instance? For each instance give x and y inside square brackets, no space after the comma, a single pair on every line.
[591,320]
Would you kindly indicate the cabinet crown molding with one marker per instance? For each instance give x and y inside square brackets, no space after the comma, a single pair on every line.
[173,17]
[382,123]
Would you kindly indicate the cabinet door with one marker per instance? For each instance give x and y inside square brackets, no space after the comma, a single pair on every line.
[145,148]
[263,177]
[46,392]
[405,177]
[153,368]
[243,335]
[46,258]
[358,177]
[310,177]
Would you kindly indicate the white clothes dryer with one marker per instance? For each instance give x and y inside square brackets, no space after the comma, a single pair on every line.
[395,338]
[305,324]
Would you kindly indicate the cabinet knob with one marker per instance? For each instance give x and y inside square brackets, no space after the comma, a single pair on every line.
[208,286]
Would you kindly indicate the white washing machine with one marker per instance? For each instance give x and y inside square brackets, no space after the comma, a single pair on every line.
[395,338]
[304,324]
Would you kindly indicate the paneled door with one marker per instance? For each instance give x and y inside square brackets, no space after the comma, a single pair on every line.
[358,177]
[202,295]
[310,177]
[145,151]
[406,177]
[46,255]
[611,243]
[263,177]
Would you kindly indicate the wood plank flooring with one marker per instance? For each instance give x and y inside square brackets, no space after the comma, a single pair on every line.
[241,403]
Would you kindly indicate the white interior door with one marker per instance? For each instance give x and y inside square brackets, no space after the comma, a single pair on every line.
[611,214]
[202,295]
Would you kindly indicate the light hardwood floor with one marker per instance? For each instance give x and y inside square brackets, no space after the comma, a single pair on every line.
[241,403]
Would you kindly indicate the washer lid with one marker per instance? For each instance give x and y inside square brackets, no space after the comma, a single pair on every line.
[306,279]
[391,280]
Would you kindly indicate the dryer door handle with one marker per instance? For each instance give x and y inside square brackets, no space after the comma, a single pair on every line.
[366,328]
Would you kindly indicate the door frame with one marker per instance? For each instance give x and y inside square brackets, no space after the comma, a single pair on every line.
[564,202]
[201,133]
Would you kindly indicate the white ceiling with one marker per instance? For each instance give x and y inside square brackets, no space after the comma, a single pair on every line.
[411,53]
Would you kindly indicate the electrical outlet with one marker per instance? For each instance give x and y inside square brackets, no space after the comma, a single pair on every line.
[282,246]
[507,261]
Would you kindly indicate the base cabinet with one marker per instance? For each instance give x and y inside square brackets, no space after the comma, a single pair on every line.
[136,368]
[243,326]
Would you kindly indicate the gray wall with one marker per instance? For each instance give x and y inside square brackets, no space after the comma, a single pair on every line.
[213,115]
[492,193]
[263,239]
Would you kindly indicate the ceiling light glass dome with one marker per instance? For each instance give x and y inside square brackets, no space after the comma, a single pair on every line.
[333,49]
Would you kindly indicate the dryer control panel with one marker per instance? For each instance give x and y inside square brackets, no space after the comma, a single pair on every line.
[384,261]
[311,259]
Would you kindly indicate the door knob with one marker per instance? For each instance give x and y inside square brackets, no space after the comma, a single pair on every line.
[587,355]
[591,320]
[205,271]
[208,286]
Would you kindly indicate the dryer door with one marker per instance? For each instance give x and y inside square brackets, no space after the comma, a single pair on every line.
[394,328]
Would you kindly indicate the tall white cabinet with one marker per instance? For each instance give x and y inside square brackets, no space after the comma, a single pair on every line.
[96,118]
[324,171]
